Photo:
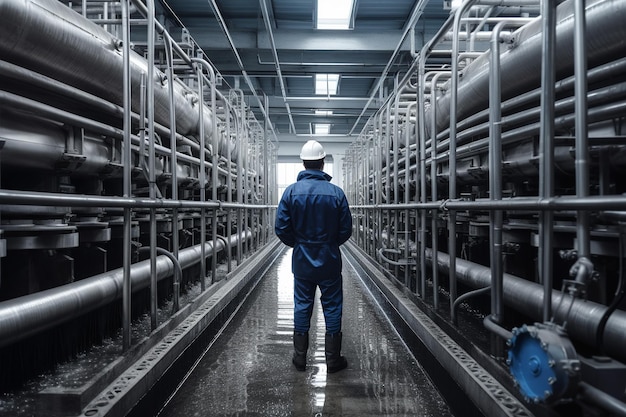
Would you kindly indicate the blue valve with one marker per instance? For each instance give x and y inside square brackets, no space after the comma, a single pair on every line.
[543,363]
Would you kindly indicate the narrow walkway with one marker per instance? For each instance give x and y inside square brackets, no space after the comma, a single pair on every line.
[248,370]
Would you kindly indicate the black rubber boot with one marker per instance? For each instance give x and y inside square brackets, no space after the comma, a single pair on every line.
[300,347]
[334,361]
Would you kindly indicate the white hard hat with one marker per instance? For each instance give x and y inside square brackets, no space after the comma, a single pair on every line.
[312,151]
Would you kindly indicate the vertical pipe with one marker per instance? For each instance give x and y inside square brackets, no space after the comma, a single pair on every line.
[266,168]
[382,150]
[152,163]
[394,140]
[421,131]
[243,132]
[202,177]
[126,291]
[452,189]
[495,183]
[229,183]
[214,165]
[421,142]
[433,170]
[368,213]
[546,159]
[407,167]
[582,141]
[173,160]
[246,184]
[420,146]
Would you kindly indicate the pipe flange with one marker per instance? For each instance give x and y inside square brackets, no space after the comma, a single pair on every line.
[543,362]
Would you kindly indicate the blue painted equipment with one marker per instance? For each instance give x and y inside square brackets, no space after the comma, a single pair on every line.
[543,362]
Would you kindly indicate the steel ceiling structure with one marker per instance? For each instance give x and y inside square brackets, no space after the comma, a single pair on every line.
[275,43]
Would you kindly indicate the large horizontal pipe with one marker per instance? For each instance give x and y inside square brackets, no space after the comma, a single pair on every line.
[28,315]
[27,198]
[527,297]
[65,46]
[519,63]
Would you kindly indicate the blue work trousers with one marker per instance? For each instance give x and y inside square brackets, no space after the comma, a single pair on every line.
[331,298]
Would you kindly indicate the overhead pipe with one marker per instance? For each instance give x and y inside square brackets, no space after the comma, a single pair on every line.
[28,315]
[416,13]
[231,42]
[270,32]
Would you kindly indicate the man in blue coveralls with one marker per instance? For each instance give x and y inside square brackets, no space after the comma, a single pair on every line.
[313,217]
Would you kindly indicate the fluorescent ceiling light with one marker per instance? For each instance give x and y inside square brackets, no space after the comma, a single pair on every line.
[323,112]
[334,14]
[326,84]
[321,128]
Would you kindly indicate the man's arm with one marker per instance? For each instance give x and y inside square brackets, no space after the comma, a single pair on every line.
[282,226]
[345,222]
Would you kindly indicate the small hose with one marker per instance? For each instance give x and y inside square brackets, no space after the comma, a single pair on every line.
[619,296]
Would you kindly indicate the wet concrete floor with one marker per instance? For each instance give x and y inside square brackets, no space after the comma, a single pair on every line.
[248,370]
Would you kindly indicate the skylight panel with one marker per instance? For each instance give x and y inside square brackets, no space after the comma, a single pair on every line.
[334,14]
[321,128]
[326,84]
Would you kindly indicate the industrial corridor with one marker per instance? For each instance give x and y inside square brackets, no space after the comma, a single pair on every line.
[465,159]
[248,370]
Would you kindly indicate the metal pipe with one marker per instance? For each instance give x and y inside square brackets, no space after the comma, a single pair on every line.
[270,33]
[407,150]
[415,15]
[527,297]
[214,178]
[222,23]
[433,170]
[546,158]
[82,200]
[452,191]
[178,274]
[495,178]
[229,184]
[597,203]
[496,329]
[600,398]
[173,149]
[466,296]
[202,170]
[394,138]
[28,315]
[582,140]
[126,296]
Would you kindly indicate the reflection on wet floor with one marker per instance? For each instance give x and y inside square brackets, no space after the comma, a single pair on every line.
[248,370]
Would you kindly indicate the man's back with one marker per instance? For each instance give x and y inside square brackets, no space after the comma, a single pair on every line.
[313,217]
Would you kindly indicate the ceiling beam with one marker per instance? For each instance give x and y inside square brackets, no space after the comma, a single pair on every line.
[300,40]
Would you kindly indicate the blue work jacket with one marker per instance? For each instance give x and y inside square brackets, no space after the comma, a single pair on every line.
[313,217]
